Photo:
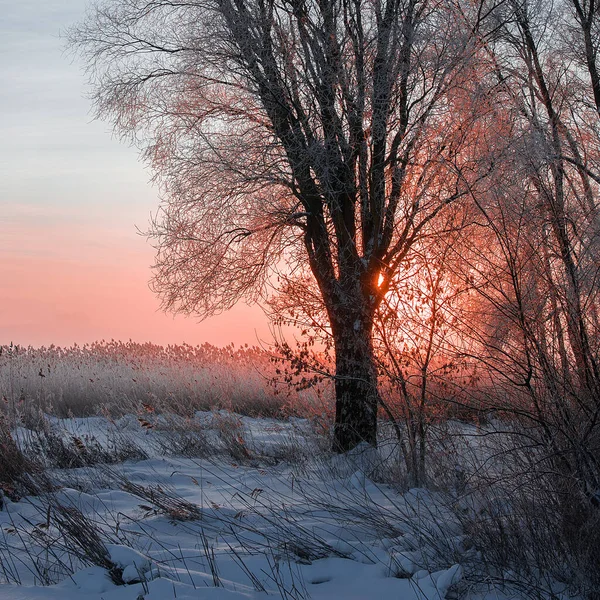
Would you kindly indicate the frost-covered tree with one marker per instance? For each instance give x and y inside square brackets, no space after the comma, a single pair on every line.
[287,133]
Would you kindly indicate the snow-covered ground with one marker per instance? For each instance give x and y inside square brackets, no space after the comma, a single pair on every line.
[273,517]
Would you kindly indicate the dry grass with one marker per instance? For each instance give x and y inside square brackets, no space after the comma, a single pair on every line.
[16,470]
[122,377]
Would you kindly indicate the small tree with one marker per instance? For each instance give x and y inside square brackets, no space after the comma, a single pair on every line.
[325,133]
[539,272]
[419,337]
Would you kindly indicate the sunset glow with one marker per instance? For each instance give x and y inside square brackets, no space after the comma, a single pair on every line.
[72,265]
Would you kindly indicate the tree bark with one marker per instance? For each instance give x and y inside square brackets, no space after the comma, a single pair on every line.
[356,391]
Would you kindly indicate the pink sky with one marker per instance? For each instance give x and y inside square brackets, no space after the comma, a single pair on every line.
[66,282]
[72,266]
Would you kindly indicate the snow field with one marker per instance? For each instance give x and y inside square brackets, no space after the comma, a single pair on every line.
[284,520]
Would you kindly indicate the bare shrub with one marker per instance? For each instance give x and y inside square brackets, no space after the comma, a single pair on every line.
[530,528]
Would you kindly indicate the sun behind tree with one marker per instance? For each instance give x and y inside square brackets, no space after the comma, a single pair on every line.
[326,133]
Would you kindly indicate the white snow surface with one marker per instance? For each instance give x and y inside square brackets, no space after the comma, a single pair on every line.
[312,526]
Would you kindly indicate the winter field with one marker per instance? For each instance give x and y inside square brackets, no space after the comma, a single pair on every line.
[139,502]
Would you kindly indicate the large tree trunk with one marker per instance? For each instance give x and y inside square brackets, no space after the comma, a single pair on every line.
[355,385]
